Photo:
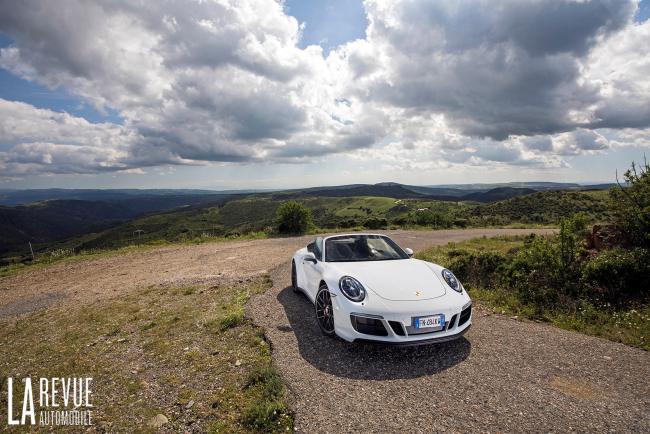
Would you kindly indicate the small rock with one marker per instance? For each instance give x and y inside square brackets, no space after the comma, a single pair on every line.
[238,363]
[607,358]
[189,405]
[134,371]
[158,420]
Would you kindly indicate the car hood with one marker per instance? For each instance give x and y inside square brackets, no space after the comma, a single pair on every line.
[397,280]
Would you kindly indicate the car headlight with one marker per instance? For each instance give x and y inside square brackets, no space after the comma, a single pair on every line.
[451,280]
[352,289]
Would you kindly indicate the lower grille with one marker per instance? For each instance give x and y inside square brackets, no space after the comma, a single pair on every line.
[368,326]
[397,327]
[465,315]
[452,322]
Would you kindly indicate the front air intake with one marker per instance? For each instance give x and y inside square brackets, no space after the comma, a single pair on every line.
[368,326]
[452,322]
[465,315]
[397,327]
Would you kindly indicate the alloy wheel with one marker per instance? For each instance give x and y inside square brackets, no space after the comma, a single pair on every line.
[324,311]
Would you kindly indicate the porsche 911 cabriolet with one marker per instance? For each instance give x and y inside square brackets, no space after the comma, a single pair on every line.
[366,288]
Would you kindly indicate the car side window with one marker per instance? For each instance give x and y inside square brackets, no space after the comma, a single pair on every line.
[319,248]
[316,247]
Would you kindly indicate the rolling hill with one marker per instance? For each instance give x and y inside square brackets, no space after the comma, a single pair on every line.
[44,222]
[187,214]
[544,207]
[496,194]
[49,221]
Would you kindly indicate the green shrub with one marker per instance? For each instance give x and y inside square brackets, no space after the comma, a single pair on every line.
[293,218]
[632,204]
[461,223]
[376,223]
[477,269]
[533,273]
[434,219]
[619,275]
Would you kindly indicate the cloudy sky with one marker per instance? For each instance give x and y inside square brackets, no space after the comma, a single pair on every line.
[262,94]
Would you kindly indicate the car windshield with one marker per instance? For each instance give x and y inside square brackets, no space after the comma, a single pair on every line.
[354,248]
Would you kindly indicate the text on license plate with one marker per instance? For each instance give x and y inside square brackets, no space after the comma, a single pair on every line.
[430,321]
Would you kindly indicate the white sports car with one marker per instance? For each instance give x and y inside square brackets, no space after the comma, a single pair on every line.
[366,288]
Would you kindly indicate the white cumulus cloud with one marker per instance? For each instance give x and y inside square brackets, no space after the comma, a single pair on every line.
[434,83]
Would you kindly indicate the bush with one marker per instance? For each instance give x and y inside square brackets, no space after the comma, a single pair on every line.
[461,223]
[631,204]
[534,273]
[433,218]
[376,223]
[619,275]
[477,269]
[293,218]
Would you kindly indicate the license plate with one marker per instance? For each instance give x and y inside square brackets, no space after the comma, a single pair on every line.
[427,322]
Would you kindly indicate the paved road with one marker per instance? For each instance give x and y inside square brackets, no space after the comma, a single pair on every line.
[504,376]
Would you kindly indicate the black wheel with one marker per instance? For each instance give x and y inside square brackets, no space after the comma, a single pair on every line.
[324,311]
[294,278]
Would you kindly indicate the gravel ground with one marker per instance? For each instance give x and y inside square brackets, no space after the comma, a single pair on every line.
[505,375]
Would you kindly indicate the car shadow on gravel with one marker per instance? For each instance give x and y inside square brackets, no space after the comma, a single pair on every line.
[364,361]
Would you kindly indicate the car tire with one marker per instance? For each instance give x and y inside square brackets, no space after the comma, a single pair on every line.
[294,278]
[324,311]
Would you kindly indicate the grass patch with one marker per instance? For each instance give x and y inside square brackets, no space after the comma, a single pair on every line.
[157,351]
[629,324]
[233,319]
[268,413]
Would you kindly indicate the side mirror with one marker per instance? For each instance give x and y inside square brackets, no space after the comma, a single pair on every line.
[309,257]
[408,252]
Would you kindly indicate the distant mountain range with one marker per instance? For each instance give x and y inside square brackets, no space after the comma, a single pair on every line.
[470,192]
[180,197]
[153,197]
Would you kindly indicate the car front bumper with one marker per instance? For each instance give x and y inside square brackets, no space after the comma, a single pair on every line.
[394,326]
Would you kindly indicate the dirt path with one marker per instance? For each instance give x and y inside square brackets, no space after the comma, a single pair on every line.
[109,276]
[507,375]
